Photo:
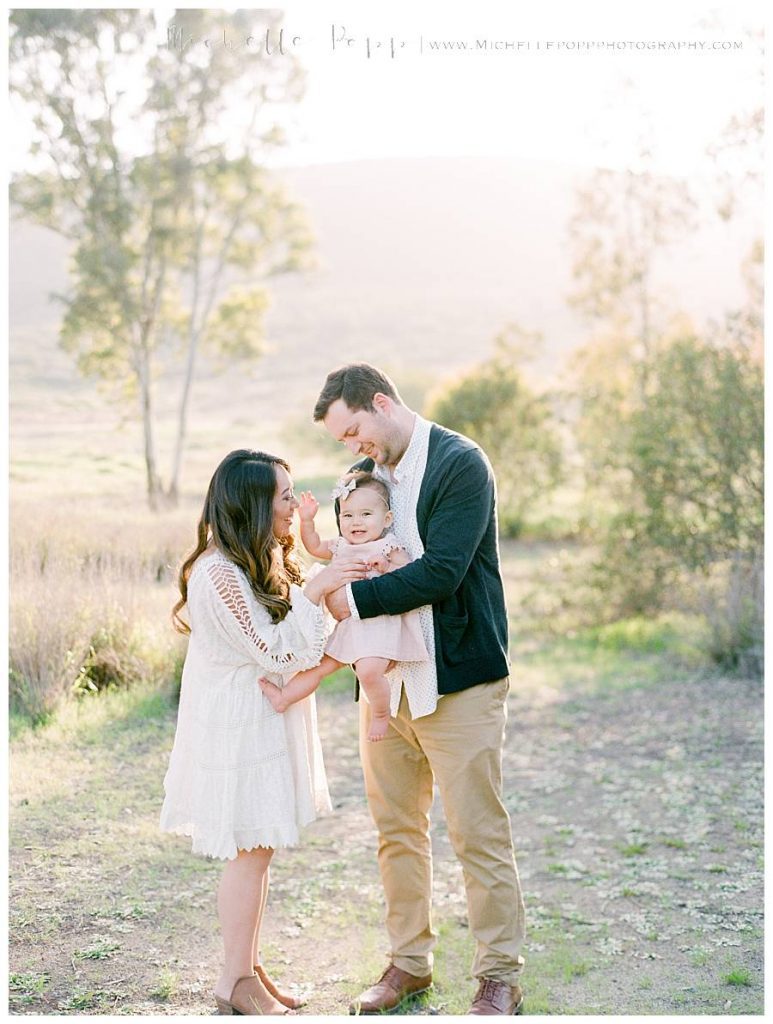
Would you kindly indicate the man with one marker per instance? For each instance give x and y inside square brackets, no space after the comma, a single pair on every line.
[449,713]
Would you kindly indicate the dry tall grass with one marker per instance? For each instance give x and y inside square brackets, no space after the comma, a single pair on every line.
[91,590]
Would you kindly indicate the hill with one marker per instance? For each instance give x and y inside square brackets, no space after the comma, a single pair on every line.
[420,264]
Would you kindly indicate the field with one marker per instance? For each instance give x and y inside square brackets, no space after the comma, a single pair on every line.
[634,784]
[633,766]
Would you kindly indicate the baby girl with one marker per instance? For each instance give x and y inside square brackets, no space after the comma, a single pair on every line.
[373,645]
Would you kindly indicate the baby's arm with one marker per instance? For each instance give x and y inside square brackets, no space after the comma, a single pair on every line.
[301,685]
[308,506]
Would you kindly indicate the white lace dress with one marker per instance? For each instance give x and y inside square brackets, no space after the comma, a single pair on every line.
[240,775]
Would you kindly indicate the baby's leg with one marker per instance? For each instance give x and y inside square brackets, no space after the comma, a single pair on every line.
[370,672]
[300,686]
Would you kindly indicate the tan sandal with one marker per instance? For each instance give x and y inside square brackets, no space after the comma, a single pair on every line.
[285,998]
[248,999]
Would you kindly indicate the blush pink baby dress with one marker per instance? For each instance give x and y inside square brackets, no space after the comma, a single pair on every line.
[397,637]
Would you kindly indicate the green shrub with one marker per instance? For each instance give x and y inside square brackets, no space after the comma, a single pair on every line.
[113,659]
[493,405]
[673,447]
[734,609]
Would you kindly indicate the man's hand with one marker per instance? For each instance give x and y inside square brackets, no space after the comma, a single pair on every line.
[337,604]
[308,506]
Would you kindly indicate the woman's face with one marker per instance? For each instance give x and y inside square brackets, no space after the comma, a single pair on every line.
[285,502]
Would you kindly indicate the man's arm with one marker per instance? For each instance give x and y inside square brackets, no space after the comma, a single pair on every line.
[455,528]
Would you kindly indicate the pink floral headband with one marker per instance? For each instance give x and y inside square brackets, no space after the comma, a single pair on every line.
[343,488]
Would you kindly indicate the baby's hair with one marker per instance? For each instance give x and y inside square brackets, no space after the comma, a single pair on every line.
[361,479]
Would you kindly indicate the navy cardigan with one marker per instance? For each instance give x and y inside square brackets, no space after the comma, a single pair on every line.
[459,573]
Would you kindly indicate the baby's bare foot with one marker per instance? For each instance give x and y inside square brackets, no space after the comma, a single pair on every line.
[378,729]
[274,694]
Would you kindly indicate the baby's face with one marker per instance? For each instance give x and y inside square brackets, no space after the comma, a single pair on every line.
[363,516]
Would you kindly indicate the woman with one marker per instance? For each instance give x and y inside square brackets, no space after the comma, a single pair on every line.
[243,779]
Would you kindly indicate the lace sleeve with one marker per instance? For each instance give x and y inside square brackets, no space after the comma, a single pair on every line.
[391,544]
[334,545]
[294,644]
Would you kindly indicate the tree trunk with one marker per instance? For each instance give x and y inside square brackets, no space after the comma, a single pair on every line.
[151,471]
[194,333]
[182,419]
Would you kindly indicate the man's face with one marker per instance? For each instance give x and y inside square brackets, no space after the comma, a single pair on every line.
[373,434]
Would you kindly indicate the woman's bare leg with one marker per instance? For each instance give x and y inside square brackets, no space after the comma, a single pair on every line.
[300,686]
[261,912]
[239,908]
[370,672]
[285,998]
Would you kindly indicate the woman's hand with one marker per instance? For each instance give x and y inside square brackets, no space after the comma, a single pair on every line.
[336,575]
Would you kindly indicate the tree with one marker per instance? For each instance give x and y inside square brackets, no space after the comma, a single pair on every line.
[622,221]
[697,465]
[686,527]
[493,405]
[669,420]
[738,154]
[738,159]
[150,158]
[622,224]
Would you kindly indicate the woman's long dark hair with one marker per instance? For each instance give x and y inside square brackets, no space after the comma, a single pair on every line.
[238,516]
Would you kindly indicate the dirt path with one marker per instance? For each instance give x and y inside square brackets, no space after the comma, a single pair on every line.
[637,817]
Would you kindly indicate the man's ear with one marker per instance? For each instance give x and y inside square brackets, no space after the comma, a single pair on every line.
[382,402]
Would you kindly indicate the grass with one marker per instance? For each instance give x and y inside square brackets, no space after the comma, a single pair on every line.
[109,570]
[340,682]
[136,892]
[111,586]
[93,878]
[674,633]
[738,977]
[674,844]
[26,987]
[576,969]
[554,966]
[167,986]
[634,849]
[102,951]
[578,663]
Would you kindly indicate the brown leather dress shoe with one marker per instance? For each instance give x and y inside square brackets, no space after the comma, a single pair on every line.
[390,991]
[497,997]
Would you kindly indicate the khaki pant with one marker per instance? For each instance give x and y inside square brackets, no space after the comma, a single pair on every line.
[460,747]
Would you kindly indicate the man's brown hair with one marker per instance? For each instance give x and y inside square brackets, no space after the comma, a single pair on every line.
[355,384]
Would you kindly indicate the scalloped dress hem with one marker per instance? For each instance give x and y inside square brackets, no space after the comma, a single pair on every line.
[227,849]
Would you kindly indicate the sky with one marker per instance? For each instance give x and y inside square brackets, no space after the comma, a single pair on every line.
[391,80]
[544,96]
